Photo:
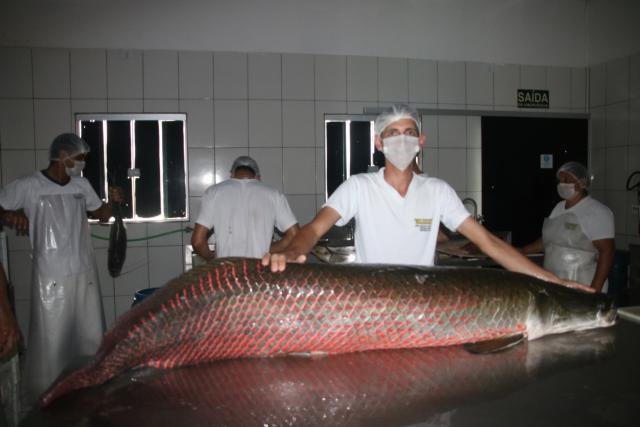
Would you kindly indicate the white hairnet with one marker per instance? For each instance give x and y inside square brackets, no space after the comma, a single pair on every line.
[71,143]
[245,162]
[393,114]
[578,171]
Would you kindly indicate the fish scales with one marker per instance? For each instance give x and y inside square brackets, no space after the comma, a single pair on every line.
[237,308]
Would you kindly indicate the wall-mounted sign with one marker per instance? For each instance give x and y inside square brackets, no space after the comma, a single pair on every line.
[533,98]
[546,161]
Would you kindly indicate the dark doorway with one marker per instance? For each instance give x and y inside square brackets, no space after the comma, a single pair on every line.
[518,184]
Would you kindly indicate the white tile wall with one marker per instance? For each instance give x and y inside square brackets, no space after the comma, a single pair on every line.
[15,73]
[617,79]
[298,76]
[201,173]
[303,207]
[559,85]
[199,121]
[578,89]
[330,77]
[597,85]
[124,74]
[196,75]
[16,163]
[298,120]
[51,73]
[231,123]
[634,76]
[230,75]
[16,123]
[479,84]
[134,274]
[160,105]
[165,263]
[265,76]
[362,78]
[89,73]
[506,82]
[452,167]
[617,124]
[598,168]
[265,123]
[597,128]
[164,234]
[51,117]
[423,81]
[430,130]
[297,165]
[160,75]
[452,131]
[616,168]
[634,121]
[393,80]
[452,82]
[533,77]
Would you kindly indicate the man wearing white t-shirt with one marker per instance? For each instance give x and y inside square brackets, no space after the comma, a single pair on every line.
[398,212]
[242,212]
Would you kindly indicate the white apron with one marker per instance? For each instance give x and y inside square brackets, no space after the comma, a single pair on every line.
[67,320]
[568,252]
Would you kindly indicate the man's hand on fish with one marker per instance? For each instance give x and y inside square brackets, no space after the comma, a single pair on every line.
[278,261]
[576,285]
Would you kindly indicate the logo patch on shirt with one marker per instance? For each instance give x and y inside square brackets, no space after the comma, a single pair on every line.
[570,226]
[423,224]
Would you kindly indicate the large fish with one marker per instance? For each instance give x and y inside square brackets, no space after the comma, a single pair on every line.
[236,308]
[117,242]
[372,388]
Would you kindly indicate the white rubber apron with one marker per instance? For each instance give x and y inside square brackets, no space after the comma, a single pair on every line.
[568,252]
[67,319]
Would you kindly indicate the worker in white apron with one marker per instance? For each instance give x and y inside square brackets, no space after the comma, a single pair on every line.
[67,319]
[578,236]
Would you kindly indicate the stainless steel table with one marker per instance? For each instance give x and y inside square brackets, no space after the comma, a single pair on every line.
[587,378]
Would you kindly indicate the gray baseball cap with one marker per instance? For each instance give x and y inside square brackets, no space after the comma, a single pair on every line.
[247,162]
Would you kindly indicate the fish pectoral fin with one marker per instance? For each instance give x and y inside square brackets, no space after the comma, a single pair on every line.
[494,345]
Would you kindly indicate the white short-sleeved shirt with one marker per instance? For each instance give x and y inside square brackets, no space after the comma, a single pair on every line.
[243,213]
[392,229]
[24,193]
[595,218]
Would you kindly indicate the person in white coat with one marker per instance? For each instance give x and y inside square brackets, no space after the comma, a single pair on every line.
[578,236]
[242,212]
[67,319]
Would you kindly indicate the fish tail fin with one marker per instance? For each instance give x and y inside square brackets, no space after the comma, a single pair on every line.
[86,376]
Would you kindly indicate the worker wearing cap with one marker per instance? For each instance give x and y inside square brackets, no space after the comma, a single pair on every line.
[67,320]
[398,212]
[242,213]
[578,236]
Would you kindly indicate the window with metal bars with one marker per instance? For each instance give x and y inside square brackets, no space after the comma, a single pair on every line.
[145,155]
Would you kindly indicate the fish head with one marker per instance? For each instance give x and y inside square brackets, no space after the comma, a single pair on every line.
[563,310]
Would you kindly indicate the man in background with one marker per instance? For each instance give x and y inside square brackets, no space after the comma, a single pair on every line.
[242,212]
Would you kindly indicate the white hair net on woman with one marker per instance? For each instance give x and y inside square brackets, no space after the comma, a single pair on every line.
[578,171]
[393,114]
[70,143]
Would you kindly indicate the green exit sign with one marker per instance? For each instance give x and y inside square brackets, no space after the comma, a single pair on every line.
[533,98]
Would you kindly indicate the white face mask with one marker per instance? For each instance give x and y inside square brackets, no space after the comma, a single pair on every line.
[566,190]
[78,166]
[400,150]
